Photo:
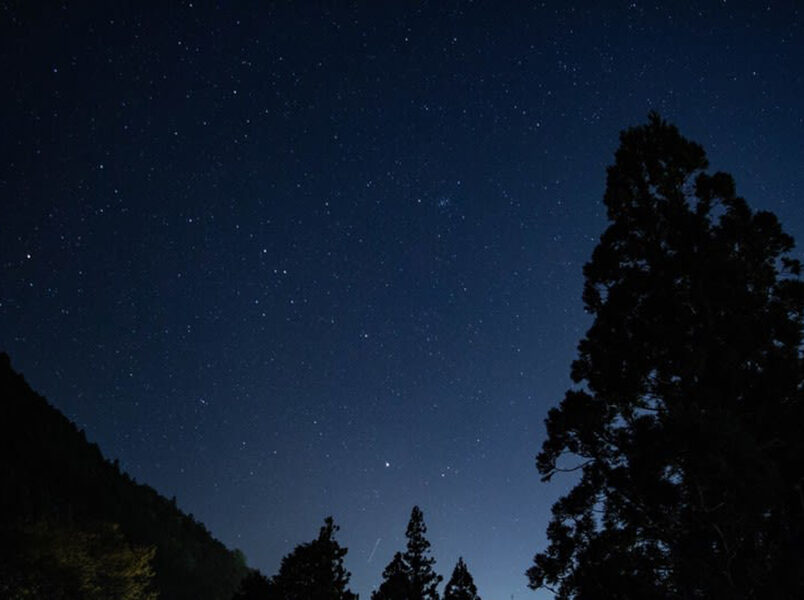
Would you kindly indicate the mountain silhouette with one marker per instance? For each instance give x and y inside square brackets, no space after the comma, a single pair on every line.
[50,473]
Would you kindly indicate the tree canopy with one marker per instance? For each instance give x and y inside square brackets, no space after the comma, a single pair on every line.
[314,570]
[410,575]
[50,560]
[423,578]
[254,586]
[684,424]
[395,581]
[461,585]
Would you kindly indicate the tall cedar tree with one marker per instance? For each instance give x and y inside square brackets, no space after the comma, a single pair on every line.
[314,570]
[410,576]
[461,586]
[685,424]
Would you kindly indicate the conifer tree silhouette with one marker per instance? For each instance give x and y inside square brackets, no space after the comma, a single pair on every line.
[686,418]
[314,570]
[461,586]
[410,575]
[396,581]
[423,579]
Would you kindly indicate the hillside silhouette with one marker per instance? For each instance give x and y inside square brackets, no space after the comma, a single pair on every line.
[55,485]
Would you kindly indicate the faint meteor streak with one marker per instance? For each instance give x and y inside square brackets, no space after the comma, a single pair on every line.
[377,543]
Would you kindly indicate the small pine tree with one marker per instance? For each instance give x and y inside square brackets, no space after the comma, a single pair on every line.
[314,570]
[461,586]
[396,581]
[423,579]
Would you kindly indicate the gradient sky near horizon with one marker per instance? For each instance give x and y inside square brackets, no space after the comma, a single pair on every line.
[287,260]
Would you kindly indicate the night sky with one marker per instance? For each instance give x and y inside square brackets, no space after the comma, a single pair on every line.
[286,261]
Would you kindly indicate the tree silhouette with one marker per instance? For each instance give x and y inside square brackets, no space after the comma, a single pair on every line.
[314,570]
[410,576]
[49,560]
[461,586]
[685,422]
[254,586]
[423,579]
[396,581]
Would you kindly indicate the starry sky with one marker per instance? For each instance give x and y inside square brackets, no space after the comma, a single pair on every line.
[287,260]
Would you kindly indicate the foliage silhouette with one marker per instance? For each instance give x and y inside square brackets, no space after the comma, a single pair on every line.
[410,576]
[685,423]
[423,579]
[254,586]
[46,560]
[50,474]
[314,570]
[396,581]
[461,585]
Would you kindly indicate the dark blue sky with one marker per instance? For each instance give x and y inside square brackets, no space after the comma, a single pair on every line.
[286,261]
